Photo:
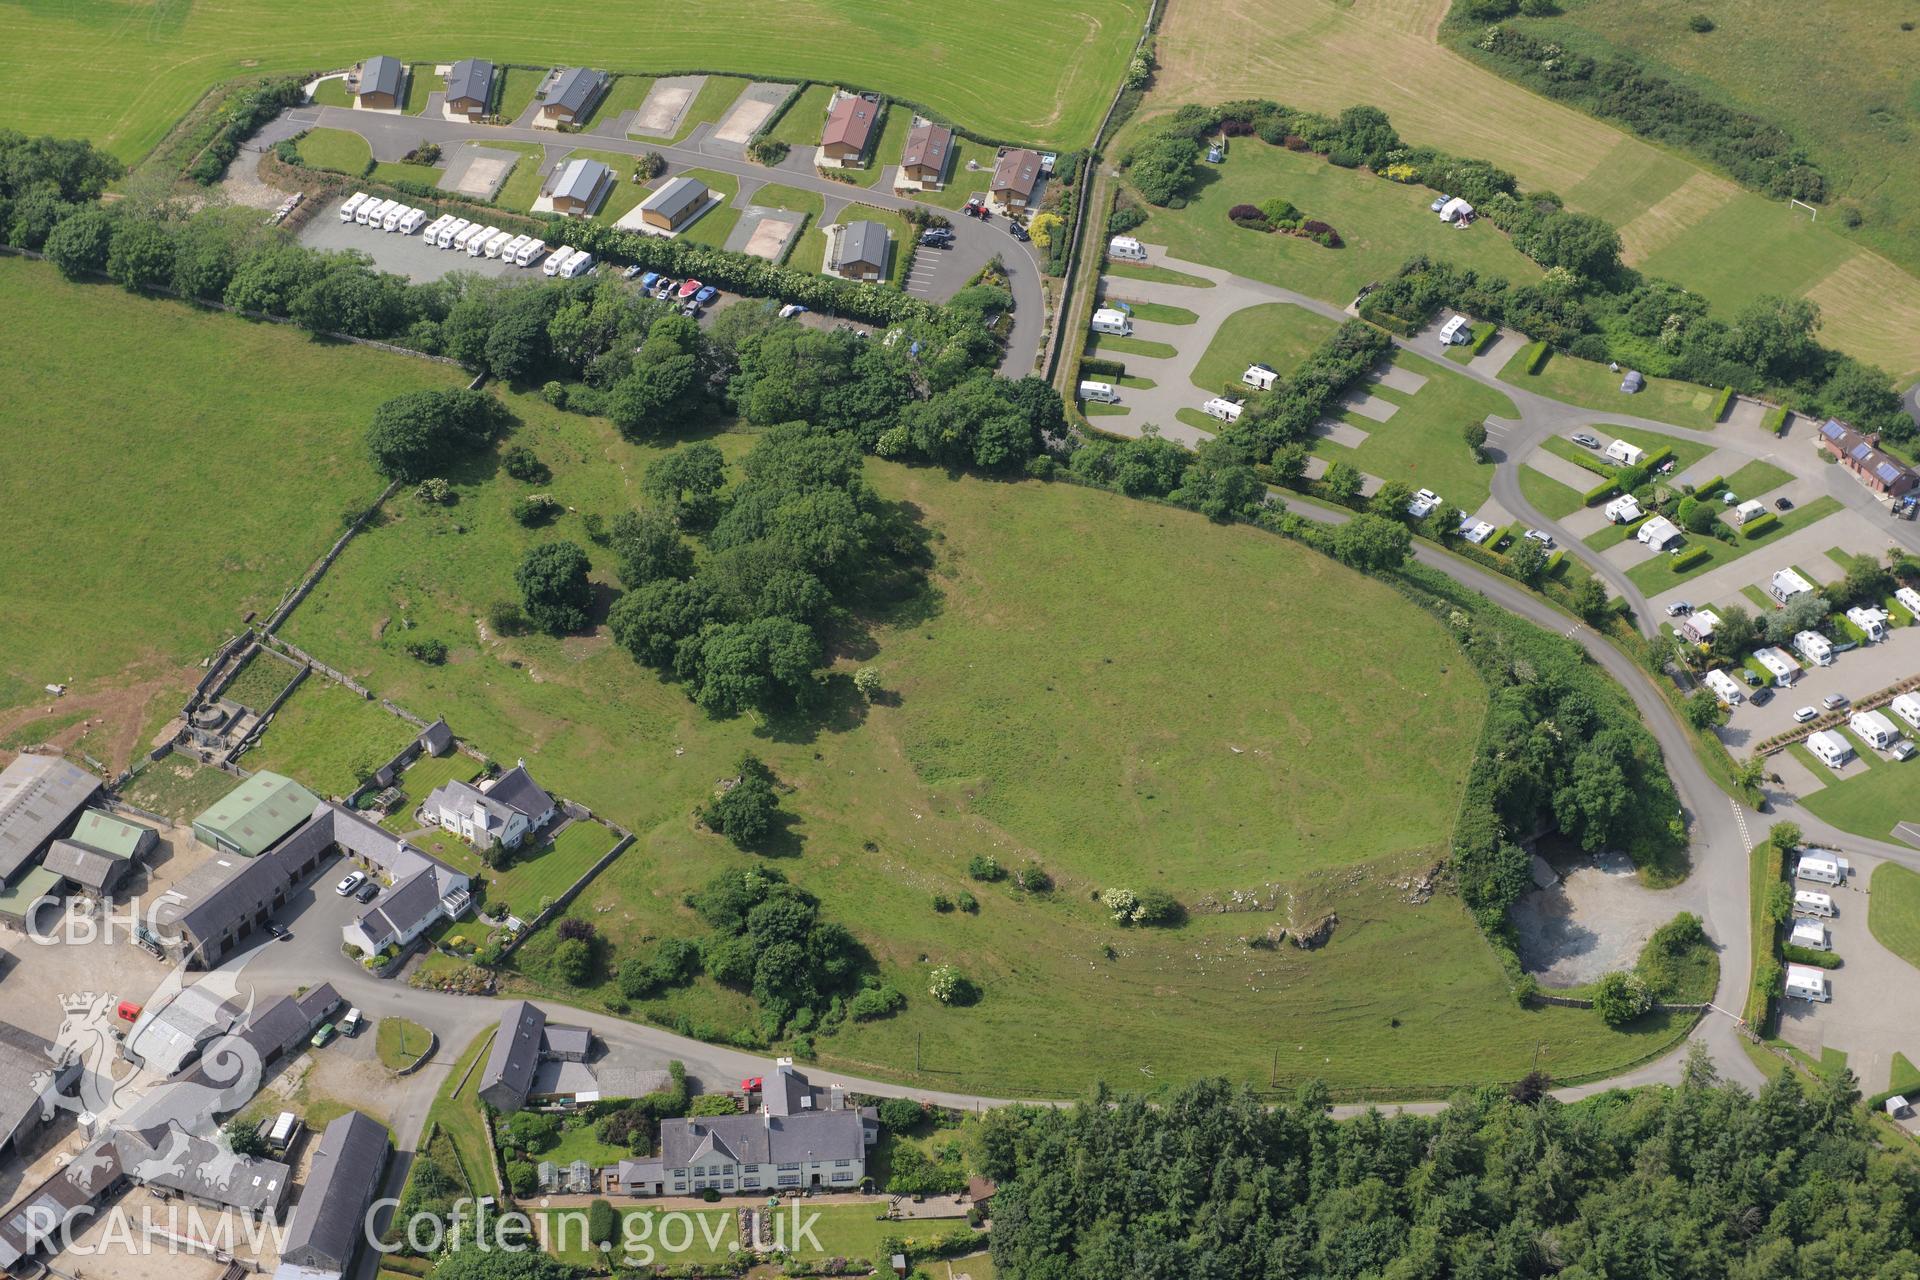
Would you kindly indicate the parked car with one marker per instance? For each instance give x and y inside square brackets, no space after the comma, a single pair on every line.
[1903,749]
[1761,697]
[1019,232]
[324,1034]
[1783,504]
[937,238]
[1439,203]
[1834,701]
[275,932]
[1541,536]
[630,272]
[1805,714]
[1587,441]
[368,891]
[690,309]
[791,310]
[1750,676]
[353,881]
[1679,608]
[707,294]
[353,1024]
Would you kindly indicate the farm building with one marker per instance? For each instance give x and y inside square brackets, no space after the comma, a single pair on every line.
[1874,728]
[1862,455]
[101,852]
[1907,707]
[928,152]
[383,84]
[849,128]
[249,819]
[1016,178]
[1724,687]
[569,95]
[341,1183]
[1658,533]
[470,87]
[1779,664]
[24,898]
[578,187]
[1814,647]
[1871,620]
[498,811]
[41,797]
[1624,509]
[1625,453]
[523,1045]
[861,251]
[674,205]
[1260,377]
[24,1090]
[1829,748]
[1786,585]
[1699,625]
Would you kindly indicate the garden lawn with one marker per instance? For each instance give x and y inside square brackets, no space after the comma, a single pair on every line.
[1158,312]
[1594,386]
[1277,334]
[401,171]
[800,124]
[1893,910]
[551,866]
[579,1143]
[708,105]
[1756,478]
[1111,344]
[341,150]
[1869,804]
[331,92]
[517,90]
[1421,444]
[1656,575]
[522,186]
[1383,223]
[883,156]
[329,737]
[717,223]
[421,85]
[1158,275]
[705,1235]
[182,411]
[422,777]
[626,93]
[1548,496]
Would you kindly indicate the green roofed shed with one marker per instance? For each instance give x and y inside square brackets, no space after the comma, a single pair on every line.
[16,901]
[255,815]
[108,834]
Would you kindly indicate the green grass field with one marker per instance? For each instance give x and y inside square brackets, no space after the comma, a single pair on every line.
[1756,478]
[399,1042]
[1893,910]
[1854,102]
[1278,334]
[1594,386]
[338,149]
[1110,345]
[517,90]
[522,186]
[421,85]
[1870,802]
[799,126]
[1159,275]
[258,683]
[329,737]
[1421,443]
[89,71]
[1552,499]
[1382,223]
[691,1236]
[169,422]
[456,1109]
[1656,575]
[1158,312]
[626,93]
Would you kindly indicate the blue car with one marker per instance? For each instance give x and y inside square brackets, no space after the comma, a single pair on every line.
[706,295]
[649,280]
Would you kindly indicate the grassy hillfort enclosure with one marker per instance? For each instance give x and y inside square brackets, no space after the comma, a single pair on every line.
[1676,219]
[120,74]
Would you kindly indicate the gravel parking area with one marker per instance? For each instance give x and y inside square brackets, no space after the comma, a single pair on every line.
[408,256]
[1593,921]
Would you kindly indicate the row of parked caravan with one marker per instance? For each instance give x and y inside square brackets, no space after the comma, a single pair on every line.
[475,239]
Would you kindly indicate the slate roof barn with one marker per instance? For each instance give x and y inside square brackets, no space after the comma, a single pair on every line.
[513,1057]
[39,797]
[341,1183]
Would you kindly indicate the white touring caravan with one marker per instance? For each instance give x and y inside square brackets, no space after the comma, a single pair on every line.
[1102,392]
[1822,866]
[1107,320]
[529,253]
[431,232]
[578,265]
[369,212]
[352,206]
[1804,982]
[412,222]
[1126,249]
[390,221]
[466,237]
[1222,408]
[1807,902]
[478,244]
[498,244]
[448,232]
[510,248]
[551,267]
[1810,934]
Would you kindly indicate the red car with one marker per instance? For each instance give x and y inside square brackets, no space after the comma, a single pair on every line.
[752,1084]
[688,289]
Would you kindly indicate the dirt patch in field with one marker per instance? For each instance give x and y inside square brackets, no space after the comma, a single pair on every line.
[109,719]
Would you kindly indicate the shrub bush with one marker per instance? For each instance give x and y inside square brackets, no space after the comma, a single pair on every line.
[1776,420]
[1537,357]
[984,867]
[1700,22]
[875,1002]
[1765,522]
[1807,955]
[1691,559]
[535,509]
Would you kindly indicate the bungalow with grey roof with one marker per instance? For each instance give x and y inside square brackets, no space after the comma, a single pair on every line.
[674,205]
[861,250]
[569,96]
[578,187]
[382,85]
[469,88]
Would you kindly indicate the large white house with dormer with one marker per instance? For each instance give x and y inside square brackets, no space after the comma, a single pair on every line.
[799,1137]
[501,811]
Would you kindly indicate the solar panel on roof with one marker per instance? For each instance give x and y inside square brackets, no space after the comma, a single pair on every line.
[1888,472]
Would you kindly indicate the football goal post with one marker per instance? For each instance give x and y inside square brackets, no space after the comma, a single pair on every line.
[1813,214]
